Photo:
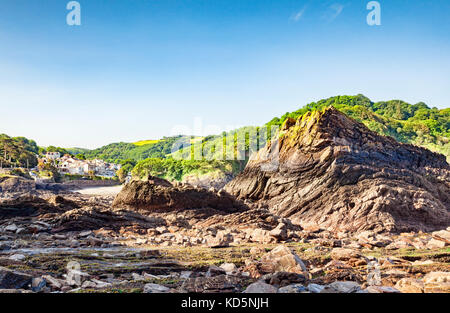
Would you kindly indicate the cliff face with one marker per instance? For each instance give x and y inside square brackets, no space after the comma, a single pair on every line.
[333,172]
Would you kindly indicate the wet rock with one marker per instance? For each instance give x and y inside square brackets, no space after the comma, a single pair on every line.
[260,287]
[295,288]
[11,228]
[155,288]
[10,279]
[315,288]
[4,247]
[342,287]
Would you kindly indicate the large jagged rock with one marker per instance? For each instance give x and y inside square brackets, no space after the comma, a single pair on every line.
[327,170]
[159,195]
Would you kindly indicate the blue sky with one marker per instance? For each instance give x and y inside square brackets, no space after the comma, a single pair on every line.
[136,69]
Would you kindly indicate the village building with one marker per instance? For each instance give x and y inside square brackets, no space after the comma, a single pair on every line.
[53,155]
[73,166]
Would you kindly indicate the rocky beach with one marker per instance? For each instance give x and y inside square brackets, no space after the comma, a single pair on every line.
[345,211]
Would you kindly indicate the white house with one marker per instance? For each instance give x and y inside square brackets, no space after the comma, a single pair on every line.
[53,155]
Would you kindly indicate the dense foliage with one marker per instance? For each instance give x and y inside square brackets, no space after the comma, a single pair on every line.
[172,169]
[116,152]
[17,152]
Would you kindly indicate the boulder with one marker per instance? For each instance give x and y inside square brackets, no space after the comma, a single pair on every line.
[229,268]
[294,288]
[342,287]
[38,284]
[260,287]
[343,254]
[11,228]
[215,271]
[280,232]
[283,259]
[315,288]
[436,244]
[282,279]
[261,236]
[442,235]
[221,240]
[158,195]
[10,279]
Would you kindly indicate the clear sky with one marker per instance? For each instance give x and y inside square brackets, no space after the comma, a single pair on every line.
[135,69]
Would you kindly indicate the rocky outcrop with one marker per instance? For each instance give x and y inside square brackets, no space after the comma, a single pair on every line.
[159,195]
[16,184]
[327,170]
[92,218]
[26,205]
